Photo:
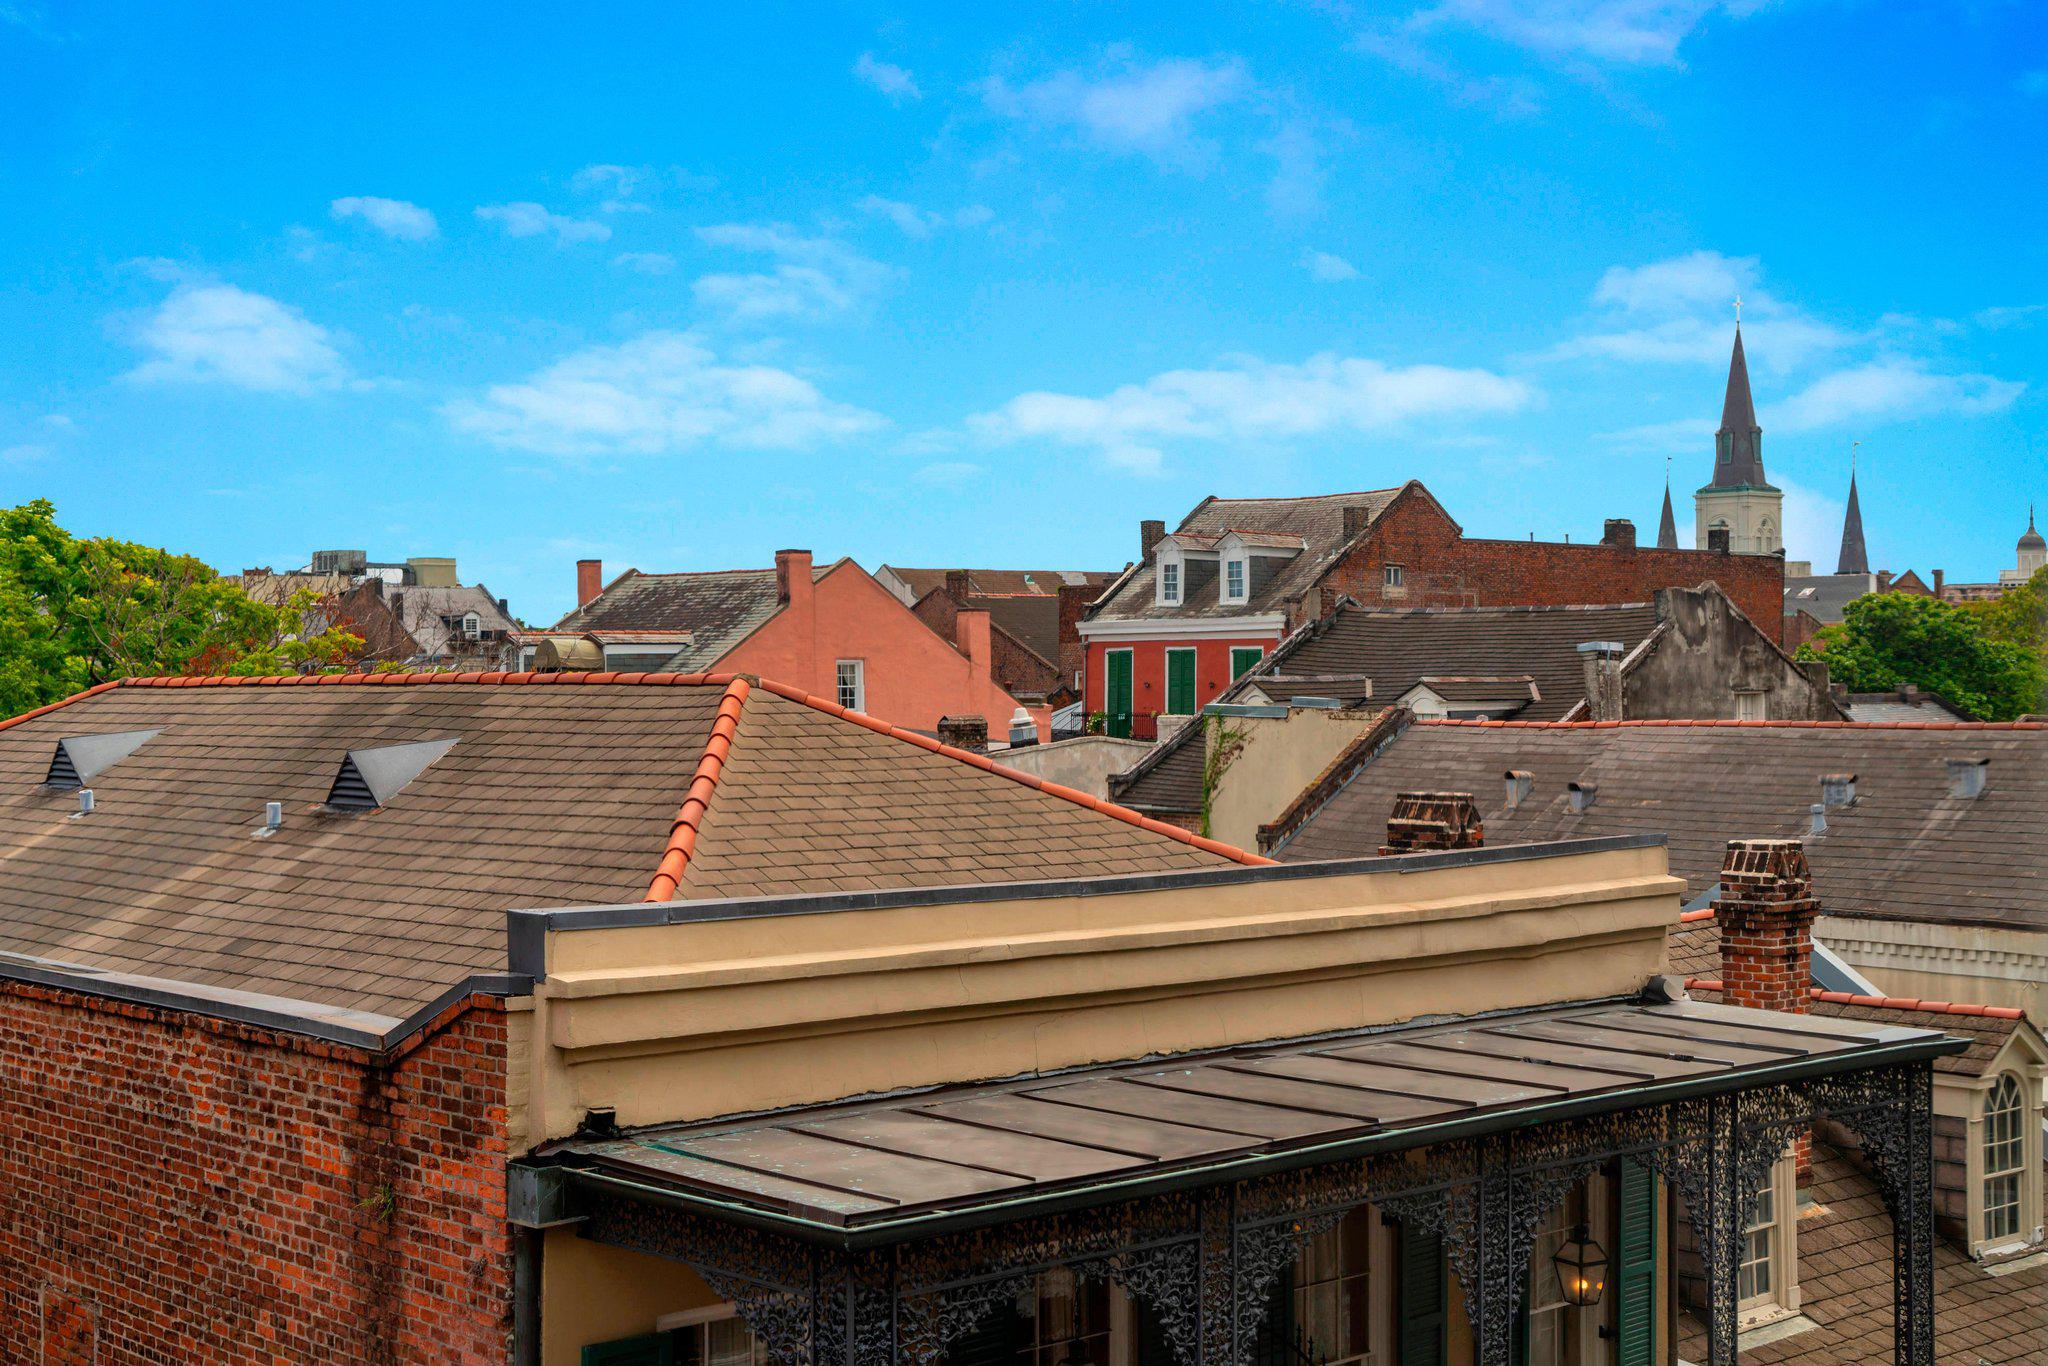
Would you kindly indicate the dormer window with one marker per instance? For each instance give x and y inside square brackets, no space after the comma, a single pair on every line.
[2005,1161]
[472,626]
[1169,582]
[1234,579]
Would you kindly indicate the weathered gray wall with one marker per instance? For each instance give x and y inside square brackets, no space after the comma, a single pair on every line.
[1709,654]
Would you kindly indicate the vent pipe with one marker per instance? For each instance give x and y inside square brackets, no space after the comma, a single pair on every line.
[1820,819]
[273,820]
[1520,784]
[1582,795]
[1837,790]
[84,803]
[1966,777]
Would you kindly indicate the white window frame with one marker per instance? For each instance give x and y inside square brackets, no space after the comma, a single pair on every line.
[1752,705]
[1393,579]
[1978,1171]
[1171,569]
[472,626]
[1241,565]
[1779,1241]
[858,686]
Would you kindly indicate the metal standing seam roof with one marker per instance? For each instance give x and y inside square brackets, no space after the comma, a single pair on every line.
[864,1167]
[563,790]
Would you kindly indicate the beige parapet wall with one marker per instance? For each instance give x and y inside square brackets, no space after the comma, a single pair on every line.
[733,1007]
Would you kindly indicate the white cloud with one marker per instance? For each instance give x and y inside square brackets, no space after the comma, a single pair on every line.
[526,219]
[659,392]
[1886,391]
[1681,310]
[645,262]
[215,333]
[810,276]
[398,218]
[1624,32]
[1252,399]
[1129,106]
[921,223]
[1327,268]
[615,186]
[890,79]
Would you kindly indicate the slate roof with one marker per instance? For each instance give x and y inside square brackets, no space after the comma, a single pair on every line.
[566,789]
[1030,619]
[1355,654]
[1824,596]
[718,609]
[1845,1285]
[1041,582]
[1903,706]
[1905,849]
[1318,522]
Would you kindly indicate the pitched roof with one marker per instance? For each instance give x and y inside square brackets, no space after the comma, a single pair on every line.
[1986,1027]
[563,789]
[1824,596]
[717,609]
[1854,559]
[1906,704]
[1738,459]
[1904,849]
[1317,522]
[1667,526]
[1041,582]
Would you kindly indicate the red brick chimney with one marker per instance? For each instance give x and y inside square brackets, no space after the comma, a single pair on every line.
[793,577]
[1766,914]
[1433,820]
[959,584]
[589,580]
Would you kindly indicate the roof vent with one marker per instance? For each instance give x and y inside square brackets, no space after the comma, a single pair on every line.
[80,757]
[1837,790]
[1966,777]
[370,778]
[1520,784]
[1582,795]
[1820,820]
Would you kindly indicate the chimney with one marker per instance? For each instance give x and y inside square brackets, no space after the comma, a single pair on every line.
[792,576]
[1966,777]
[964,732]
[1884,580]
[1939,577]
[1620,533]
[970,630]
[1602,662]
[1433,820]
[1766,912]
[1149,535]
[1357,516]
[589,580]
[959,585]
[1717,540]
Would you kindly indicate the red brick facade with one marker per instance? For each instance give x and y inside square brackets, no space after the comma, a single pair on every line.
[1440,567]
[183,1189]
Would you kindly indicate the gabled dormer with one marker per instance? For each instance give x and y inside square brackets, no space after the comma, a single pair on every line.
[1185,565]
[1248,560]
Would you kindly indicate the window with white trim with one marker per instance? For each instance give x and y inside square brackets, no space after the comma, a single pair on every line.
[472,626]
[1752,706]
[1767,1276]
[710,1336]
[1393,576]
[1754,1281]
[1169,581]
[1234,579]
[853,684]
[2005,1160]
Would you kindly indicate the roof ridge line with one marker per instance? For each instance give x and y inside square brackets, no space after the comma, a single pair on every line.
[1747,725]
[988,765]
[682,833]
[48,707]
[1850,998]
[394,678]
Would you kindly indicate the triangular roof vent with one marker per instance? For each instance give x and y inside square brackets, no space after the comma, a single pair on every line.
[80,757]
[370,778]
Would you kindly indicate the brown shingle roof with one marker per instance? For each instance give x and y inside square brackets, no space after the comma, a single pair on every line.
[565,789]
[1318,522]
[1038,582]
[1905,849]
[717,609]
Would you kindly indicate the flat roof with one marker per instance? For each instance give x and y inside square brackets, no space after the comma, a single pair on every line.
[882,1168]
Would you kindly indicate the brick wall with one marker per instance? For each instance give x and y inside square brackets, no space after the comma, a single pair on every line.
[1441,568]
[1015,668]
[183,1189]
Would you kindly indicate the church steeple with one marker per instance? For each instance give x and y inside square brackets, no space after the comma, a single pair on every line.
[1855,560]
[1667,527]
[1739,445]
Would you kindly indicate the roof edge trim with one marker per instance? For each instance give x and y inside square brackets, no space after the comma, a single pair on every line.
[682,834]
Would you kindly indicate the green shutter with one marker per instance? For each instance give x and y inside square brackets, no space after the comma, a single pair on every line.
[1635,1280]
[1423,1297]
[1180,682]
[1243,659]
[1116,697]
[650,1349]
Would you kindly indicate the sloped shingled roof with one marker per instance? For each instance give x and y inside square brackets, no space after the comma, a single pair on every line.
[566,789]
[1319,522]
[718,609]
[1906,849]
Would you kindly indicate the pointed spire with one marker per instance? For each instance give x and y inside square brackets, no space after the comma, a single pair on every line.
[1667,527]
[1738,446]
[1855,560]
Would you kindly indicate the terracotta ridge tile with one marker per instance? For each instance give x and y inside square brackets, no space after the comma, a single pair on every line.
[682,835]
[1744,725]
[982,761]
[1846,998]
[60,702]
[1690,917]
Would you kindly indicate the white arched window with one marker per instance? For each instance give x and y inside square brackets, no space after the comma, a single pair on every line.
[2005,1160]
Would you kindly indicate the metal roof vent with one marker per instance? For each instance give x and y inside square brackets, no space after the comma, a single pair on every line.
[1582,795]
[80,757]
[1521,783]
[1837,789]
[1966,777]
[369,778]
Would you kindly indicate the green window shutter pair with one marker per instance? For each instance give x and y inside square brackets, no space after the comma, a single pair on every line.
[1180,682]
[1635,1256]
[1424,1296]
[1243,659]
[1116,697]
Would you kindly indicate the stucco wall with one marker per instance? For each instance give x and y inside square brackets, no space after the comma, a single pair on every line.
[1083,763]
[1277,757]
[1975,964]
[1708,655]
[913,675]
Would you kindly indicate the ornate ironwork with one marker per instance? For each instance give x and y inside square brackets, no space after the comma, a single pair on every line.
[1204,1262]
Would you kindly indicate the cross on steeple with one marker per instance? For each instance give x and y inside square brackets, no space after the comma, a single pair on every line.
[1738,310]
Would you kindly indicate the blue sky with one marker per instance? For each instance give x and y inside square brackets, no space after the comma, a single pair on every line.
[677,285]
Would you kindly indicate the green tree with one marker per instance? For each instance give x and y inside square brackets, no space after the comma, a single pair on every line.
[78,612]
[2018,615]
[1889,640]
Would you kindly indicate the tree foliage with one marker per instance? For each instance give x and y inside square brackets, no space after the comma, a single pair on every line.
[1889,640]
[76,612]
